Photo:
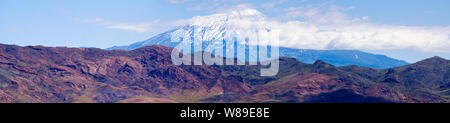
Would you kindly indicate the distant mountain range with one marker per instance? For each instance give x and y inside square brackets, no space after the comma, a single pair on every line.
[217,29]
[57,74]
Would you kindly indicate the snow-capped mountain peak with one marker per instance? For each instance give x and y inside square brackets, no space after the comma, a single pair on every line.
[210,29]
[227,17]
[227,26]
[222,26]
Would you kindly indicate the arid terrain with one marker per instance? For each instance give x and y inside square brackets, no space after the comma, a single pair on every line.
[37,74]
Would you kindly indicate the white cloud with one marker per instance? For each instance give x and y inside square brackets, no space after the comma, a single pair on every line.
[363,36]
[137,27]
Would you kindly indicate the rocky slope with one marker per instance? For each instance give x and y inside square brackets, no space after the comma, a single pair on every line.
[425,81]
[59,74]
[43,74]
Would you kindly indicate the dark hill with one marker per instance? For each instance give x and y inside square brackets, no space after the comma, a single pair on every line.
[59,74]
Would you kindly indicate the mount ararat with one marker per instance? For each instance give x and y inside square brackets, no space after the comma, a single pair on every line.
[218,28]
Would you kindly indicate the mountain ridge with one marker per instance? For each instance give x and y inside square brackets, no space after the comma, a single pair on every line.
[58,74]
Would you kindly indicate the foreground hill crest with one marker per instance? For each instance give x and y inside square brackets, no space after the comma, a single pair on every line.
[49,74]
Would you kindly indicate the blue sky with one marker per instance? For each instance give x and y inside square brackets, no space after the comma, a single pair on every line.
[105,23]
